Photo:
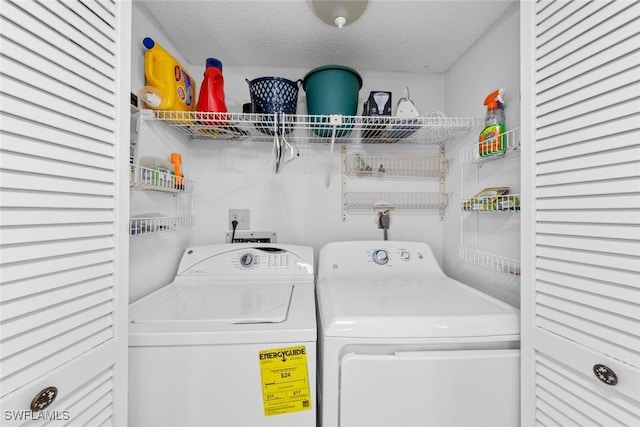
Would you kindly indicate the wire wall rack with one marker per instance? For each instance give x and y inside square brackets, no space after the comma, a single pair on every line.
[435,128]
[491,261]
[498,147]
[492,200]
[503,203]
[144,178]
[138,226]
[359,165]
[393,166]
[356,201]
[155,180]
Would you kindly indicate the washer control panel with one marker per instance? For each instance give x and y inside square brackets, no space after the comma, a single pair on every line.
[257,258]
[249,259]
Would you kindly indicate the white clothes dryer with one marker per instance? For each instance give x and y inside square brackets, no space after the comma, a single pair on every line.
[403,345]
[231,342]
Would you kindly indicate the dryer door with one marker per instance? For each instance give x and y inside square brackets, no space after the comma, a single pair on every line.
[472,388]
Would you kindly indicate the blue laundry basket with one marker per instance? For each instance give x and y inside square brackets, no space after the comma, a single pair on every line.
[273,95]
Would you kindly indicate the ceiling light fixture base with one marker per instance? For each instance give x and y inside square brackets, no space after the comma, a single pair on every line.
[338,13]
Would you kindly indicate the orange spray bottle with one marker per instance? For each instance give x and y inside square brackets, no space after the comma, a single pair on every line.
[176,159]
[491,141]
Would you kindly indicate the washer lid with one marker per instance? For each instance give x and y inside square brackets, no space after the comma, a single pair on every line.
[411,308]
[230,312]
[232,303]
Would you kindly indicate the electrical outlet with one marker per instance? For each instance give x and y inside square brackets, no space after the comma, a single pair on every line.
[240,215]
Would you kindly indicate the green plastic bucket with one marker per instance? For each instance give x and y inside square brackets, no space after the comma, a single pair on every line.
[332,89]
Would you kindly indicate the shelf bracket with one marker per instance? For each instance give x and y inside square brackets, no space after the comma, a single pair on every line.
[335,120]
[441,177]
[344,184]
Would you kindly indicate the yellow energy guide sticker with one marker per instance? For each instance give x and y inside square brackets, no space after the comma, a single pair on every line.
[285,380]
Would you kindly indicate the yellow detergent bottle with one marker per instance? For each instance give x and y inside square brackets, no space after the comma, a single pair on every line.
[491,141]
[169,85]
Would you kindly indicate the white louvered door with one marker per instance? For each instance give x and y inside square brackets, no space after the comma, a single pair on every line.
[581,212]
[64,83]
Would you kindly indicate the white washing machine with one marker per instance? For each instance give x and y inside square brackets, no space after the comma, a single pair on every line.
[403,345]
[230,342]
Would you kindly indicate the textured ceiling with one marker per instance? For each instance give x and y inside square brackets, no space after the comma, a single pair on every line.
[392,35]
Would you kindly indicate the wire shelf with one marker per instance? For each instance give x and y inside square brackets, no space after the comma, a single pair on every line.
[155,180]
[138,226]
[503,145]
[487,260]
[406,201]
[432,129]
[393,166]
[503,203]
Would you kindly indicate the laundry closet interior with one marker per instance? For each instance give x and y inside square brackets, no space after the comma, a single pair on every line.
[338,183]
[297,204]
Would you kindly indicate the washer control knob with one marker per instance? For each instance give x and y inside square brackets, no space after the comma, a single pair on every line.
[246,260]
[380,257]
[405,255]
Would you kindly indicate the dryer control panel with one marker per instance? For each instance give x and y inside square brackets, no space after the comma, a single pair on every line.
[373,258]
[247,259]
[389,256]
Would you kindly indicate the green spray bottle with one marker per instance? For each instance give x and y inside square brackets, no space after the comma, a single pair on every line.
[491,141]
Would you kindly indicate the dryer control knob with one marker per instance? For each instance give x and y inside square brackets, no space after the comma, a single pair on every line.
[380,257]
[246,260]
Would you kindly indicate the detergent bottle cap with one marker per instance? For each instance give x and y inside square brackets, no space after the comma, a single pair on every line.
[213,62]
[151,96]
[152,100]
[494,100]
[148,43]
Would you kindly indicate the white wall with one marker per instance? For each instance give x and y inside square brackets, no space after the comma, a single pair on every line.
[491,63]
[295,204]
[153,258]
